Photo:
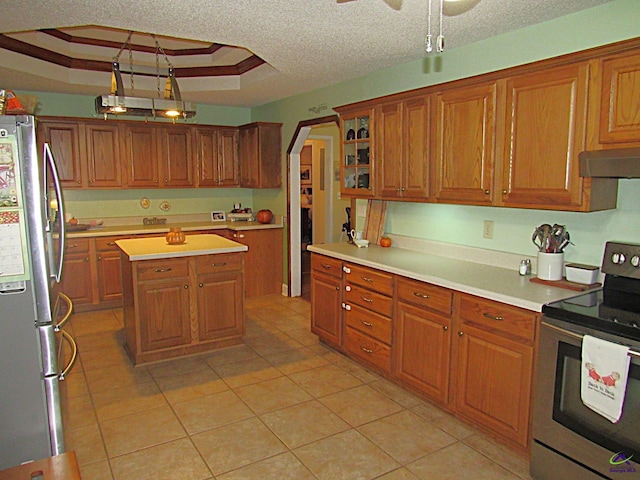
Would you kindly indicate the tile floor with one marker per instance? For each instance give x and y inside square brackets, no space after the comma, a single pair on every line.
[280,406]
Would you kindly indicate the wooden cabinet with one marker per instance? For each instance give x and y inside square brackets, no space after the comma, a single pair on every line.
[464,157]
[140,160]
[217,157]
[620,100]
[67,146]
[108,271]
[263,261]
[494,366]
[326,299]
[103,155]
[176,158]
[357,164]
[423,337]
[260,155]
[77,277]
[402,146]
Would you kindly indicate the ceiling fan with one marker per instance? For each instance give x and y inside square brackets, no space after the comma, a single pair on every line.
[449,7]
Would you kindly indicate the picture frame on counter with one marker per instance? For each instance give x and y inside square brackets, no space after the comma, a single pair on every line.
[218,216]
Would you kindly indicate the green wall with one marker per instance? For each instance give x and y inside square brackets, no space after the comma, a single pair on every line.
[462,225]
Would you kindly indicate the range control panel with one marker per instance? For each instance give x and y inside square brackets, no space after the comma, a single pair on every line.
[622,259]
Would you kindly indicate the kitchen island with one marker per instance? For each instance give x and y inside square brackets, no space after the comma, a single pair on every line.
[181,299]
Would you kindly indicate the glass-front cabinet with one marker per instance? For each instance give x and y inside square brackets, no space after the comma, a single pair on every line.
[356,170]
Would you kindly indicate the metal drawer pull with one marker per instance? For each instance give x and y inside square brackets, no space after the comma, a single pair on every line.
[163,270]
[577,336]
[366,350]
[366,324]
[368,300]
[492,317]
[73,245]
[219,264]
[366,279]
[421,295]
[325,266]
[111,244]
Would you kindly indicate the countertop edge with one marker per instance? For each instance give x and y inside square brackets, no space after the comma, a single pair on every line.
[190,253]
[164,228]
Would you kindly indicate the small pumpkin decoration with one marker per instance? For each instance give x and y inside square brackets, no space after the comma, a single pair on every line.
[264,216]
[385,242]
[175,236]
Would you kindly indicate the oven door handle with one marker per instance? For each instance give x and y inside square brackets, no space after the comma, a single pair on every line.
[577,336]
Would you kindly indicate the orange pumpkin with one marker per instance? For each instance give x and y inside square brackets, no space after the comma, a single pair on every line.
[175,236]
[385,242]
[264,216]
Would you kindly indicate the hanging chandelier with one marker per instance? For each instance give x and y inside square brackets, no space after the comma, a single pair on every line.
[167,104]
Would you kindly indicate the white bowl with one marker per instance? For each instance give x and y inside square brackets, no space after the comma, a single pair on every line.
[361,243]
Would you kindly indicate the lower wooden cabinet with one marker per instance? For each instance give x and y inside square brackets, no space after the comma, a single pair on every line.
[326,299]
[108,271]
[77,279]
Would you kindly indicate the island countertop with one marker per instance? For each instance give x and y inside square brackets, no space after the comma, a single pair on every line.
[157,247]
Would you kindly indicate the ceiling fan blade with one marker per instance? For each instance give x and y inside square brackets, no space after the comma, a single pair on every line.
[344,1]
[395,4]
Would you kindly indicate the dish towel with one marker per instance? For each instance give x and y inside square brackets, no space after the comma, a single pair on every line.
[605,366]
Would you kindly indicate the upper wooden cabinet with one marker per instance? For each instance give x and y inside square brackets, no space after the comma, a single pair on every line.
[141,156]
[464,157]
[103,155]
[260,151]
[357,164]
[402,146]
[176,158]
[620,100]
[67,146]
[545,128]
[217,156]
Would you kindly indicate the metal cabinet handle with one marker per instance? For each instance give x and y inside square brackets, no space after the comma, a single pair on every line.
[366,279]
[504,192]
[186,287]
[201,285]
[368,300]
[219,264]
[111,244]
[346,306]
[163,270]
[72,245]
[445,328]
[347,288]
[325,266]
[87,259]
[367,324]
[366,350]
[421,295]
[99,257]
[460,333]
[337,288]
[492,317]
[487,192]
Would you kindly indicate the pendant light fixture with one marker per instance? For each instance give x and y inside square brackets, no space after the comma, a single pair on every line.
[168,105]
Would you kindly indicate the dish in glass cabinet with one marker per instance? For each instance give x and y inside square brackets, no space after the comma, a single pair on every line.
[350,181]
[351,134]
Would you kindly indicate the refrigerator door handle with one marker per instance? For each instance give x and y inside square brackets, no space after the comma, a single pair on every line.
[61,214]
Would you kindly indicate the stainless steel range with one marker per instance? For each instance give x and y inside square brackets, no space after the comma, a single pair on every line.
[569,439]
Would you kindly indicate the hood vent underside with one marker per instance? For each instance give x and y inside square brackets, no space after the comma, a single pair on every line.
[615,163]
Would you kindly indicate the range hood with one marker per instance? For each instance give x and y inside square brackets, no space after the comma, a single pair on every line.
[615,163]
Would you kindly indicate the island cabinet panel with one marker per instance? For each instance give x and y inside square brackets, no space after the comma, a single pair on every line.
[103,155]
[220,311]
[620,101]
[464,160]
[545,131]
[67,146]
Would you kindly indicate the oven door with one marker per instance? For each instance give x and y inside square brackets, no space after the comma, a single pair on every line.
[571,440]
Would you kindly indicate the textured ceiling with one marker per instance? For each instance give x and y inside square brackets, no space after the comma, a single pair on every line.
[306,44]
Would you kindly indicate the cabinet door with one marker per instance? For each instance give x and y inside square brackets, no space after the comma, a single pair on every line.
[415,145]
[422,350]
[177,165]
[76,278]
[326,309]
[356,168]
[220,300]
[217,157]
[228,158]
[546,129]
[464,153]
[260,150]
[620,100]
[141,157]
[103,155]
[389,150]
[262,262]
[66,142]
[494,382]
[248,153]
[164,313]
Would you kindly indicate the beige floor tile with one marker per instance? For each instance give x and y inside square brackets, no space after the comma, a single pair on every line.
[304,423]
[405,436]
[94,322]
[358,371]
[127,400]
[96,471]
[240,353]
[281,467]
[188,386]
[104,358]
[233,446]
[360,405]
[502,455]
[87,443]
[290,321]
[78,411]
[97,341]
[272,395]
[296,360]
[118,376]
[212,411]
[399,474]
[301,306]
[272,343]
[396,393]
[443,420]
[303,336]
[74,384]
[177,366]
[325,380]
[458,461]
[347,455]
[145,429]
[258,328]
[169,461]
[245,373]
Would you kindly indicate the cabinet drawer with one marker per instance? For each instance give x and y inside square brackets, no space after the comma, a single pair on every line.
[497,317]
[107,244]
[424,295]
[368,349]
[76,245]
[372,324]
[161,269]
[223,262]
[366,298]
[369,278]
[326,265]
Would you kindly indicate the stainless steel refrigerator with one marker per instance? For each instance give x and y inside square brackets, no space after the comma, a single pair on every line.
[31,251]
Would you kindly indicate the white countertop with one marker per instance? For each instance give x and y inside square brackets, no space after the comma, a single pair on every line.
[491,282]
[157,247]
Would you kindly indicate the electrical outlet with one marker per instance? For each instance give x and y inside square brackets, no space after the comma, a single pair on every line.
[487,229]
